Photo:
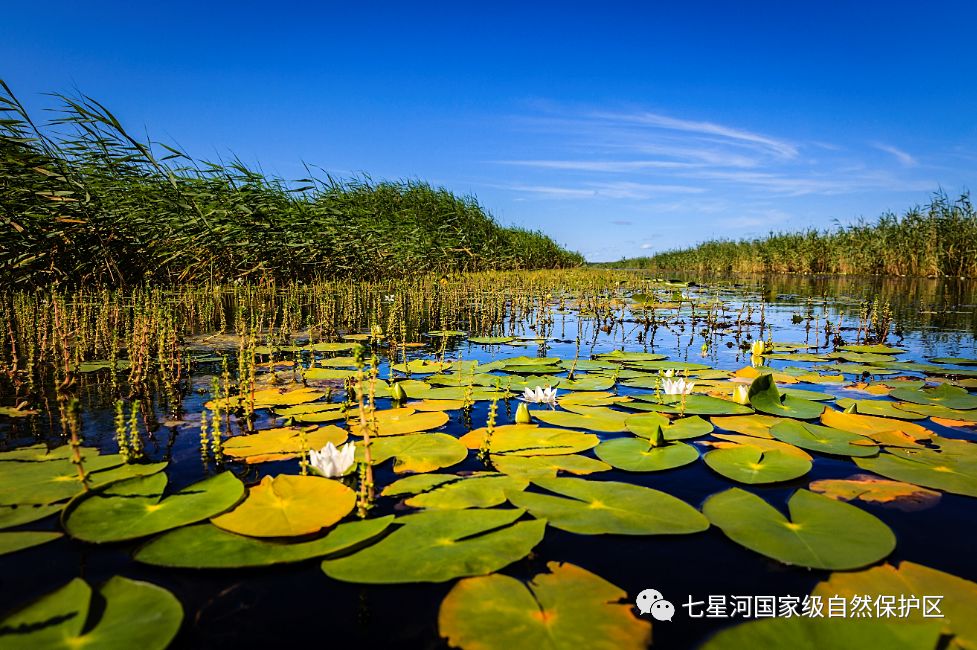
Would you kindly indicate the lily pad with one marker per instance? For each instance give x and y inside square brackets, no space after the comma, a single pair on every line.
[821,533]
[16,515]
[608,507]
[440,545]
[765,398]
[535,467]
[871,489]
[885,431]
[489,340]
[135,508]
[135,615]
[483,491]
[826,440]
[940,469]
[416,452]
[638,455]
[595,418]
[945,395]
[752,465]
[568,607]
[588,382]
[45,482]
[396,422]
[11,542]
[205,546]
[691,405]
[282,443]
[957,605]
[286,506]
[809,633]
[876,407]
[749,425]
[645,426]
[531,440]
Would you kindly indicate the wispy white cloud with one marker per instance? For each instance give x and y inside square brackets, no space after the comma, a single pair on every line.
[780,147]
[903,157]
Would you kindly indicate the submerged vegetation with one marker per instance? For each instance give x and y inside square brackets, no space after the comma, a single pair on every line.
[83,201]
[938,240]
[371,433]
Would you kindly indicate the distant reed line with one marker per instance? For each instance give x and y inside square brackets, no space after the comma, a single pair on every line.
[936,240]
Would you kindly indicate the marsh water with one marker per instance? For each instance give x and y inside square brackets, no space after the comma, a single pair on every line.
[298,604]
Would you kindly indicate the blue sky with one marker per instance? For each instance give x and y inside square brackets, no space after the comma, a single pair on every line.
[618,128]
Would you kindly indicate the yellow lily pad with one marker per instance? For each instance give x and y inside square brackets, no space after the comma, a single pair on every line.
[286,506]
[281,443]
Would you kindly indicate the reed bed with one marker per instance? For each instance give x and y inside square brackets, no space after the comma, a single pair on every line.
[83,202]
[938,240]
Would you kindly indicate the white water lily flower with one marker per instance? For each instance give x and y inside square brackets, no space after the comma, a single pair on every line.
[540,396]
[677,386]
[741,394]
[332,462]
[758,348]
[669,373]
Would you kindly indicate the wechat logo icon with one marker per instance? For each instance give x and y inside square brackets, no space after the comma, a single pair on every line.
[651,601]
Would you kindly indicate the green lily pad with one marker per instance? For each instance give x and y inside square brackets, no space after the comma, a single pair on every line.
[877,407]
[286,506]
[754,466]
[16,515]
[588,382]
[808,633]
[11,542]
[135,615]
[531,440]
[416,484]
[135,508]
[535,467]
[951,468]
[749,425]
[45,482]
[812,395]
[873,349]
[489,340]
[645,426]
[440,545]
[592,398]
[422,366]
[618,356]
[556,610]
[281,443]
[944,395]
[957,605]
[638,455]
[479,394]
[483,491]
[827,440]
[205,546]
[957,361]
[693,405]
[599,507]
[416,452]
[765,398]
[594,418]
[821,533]
[934,411]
